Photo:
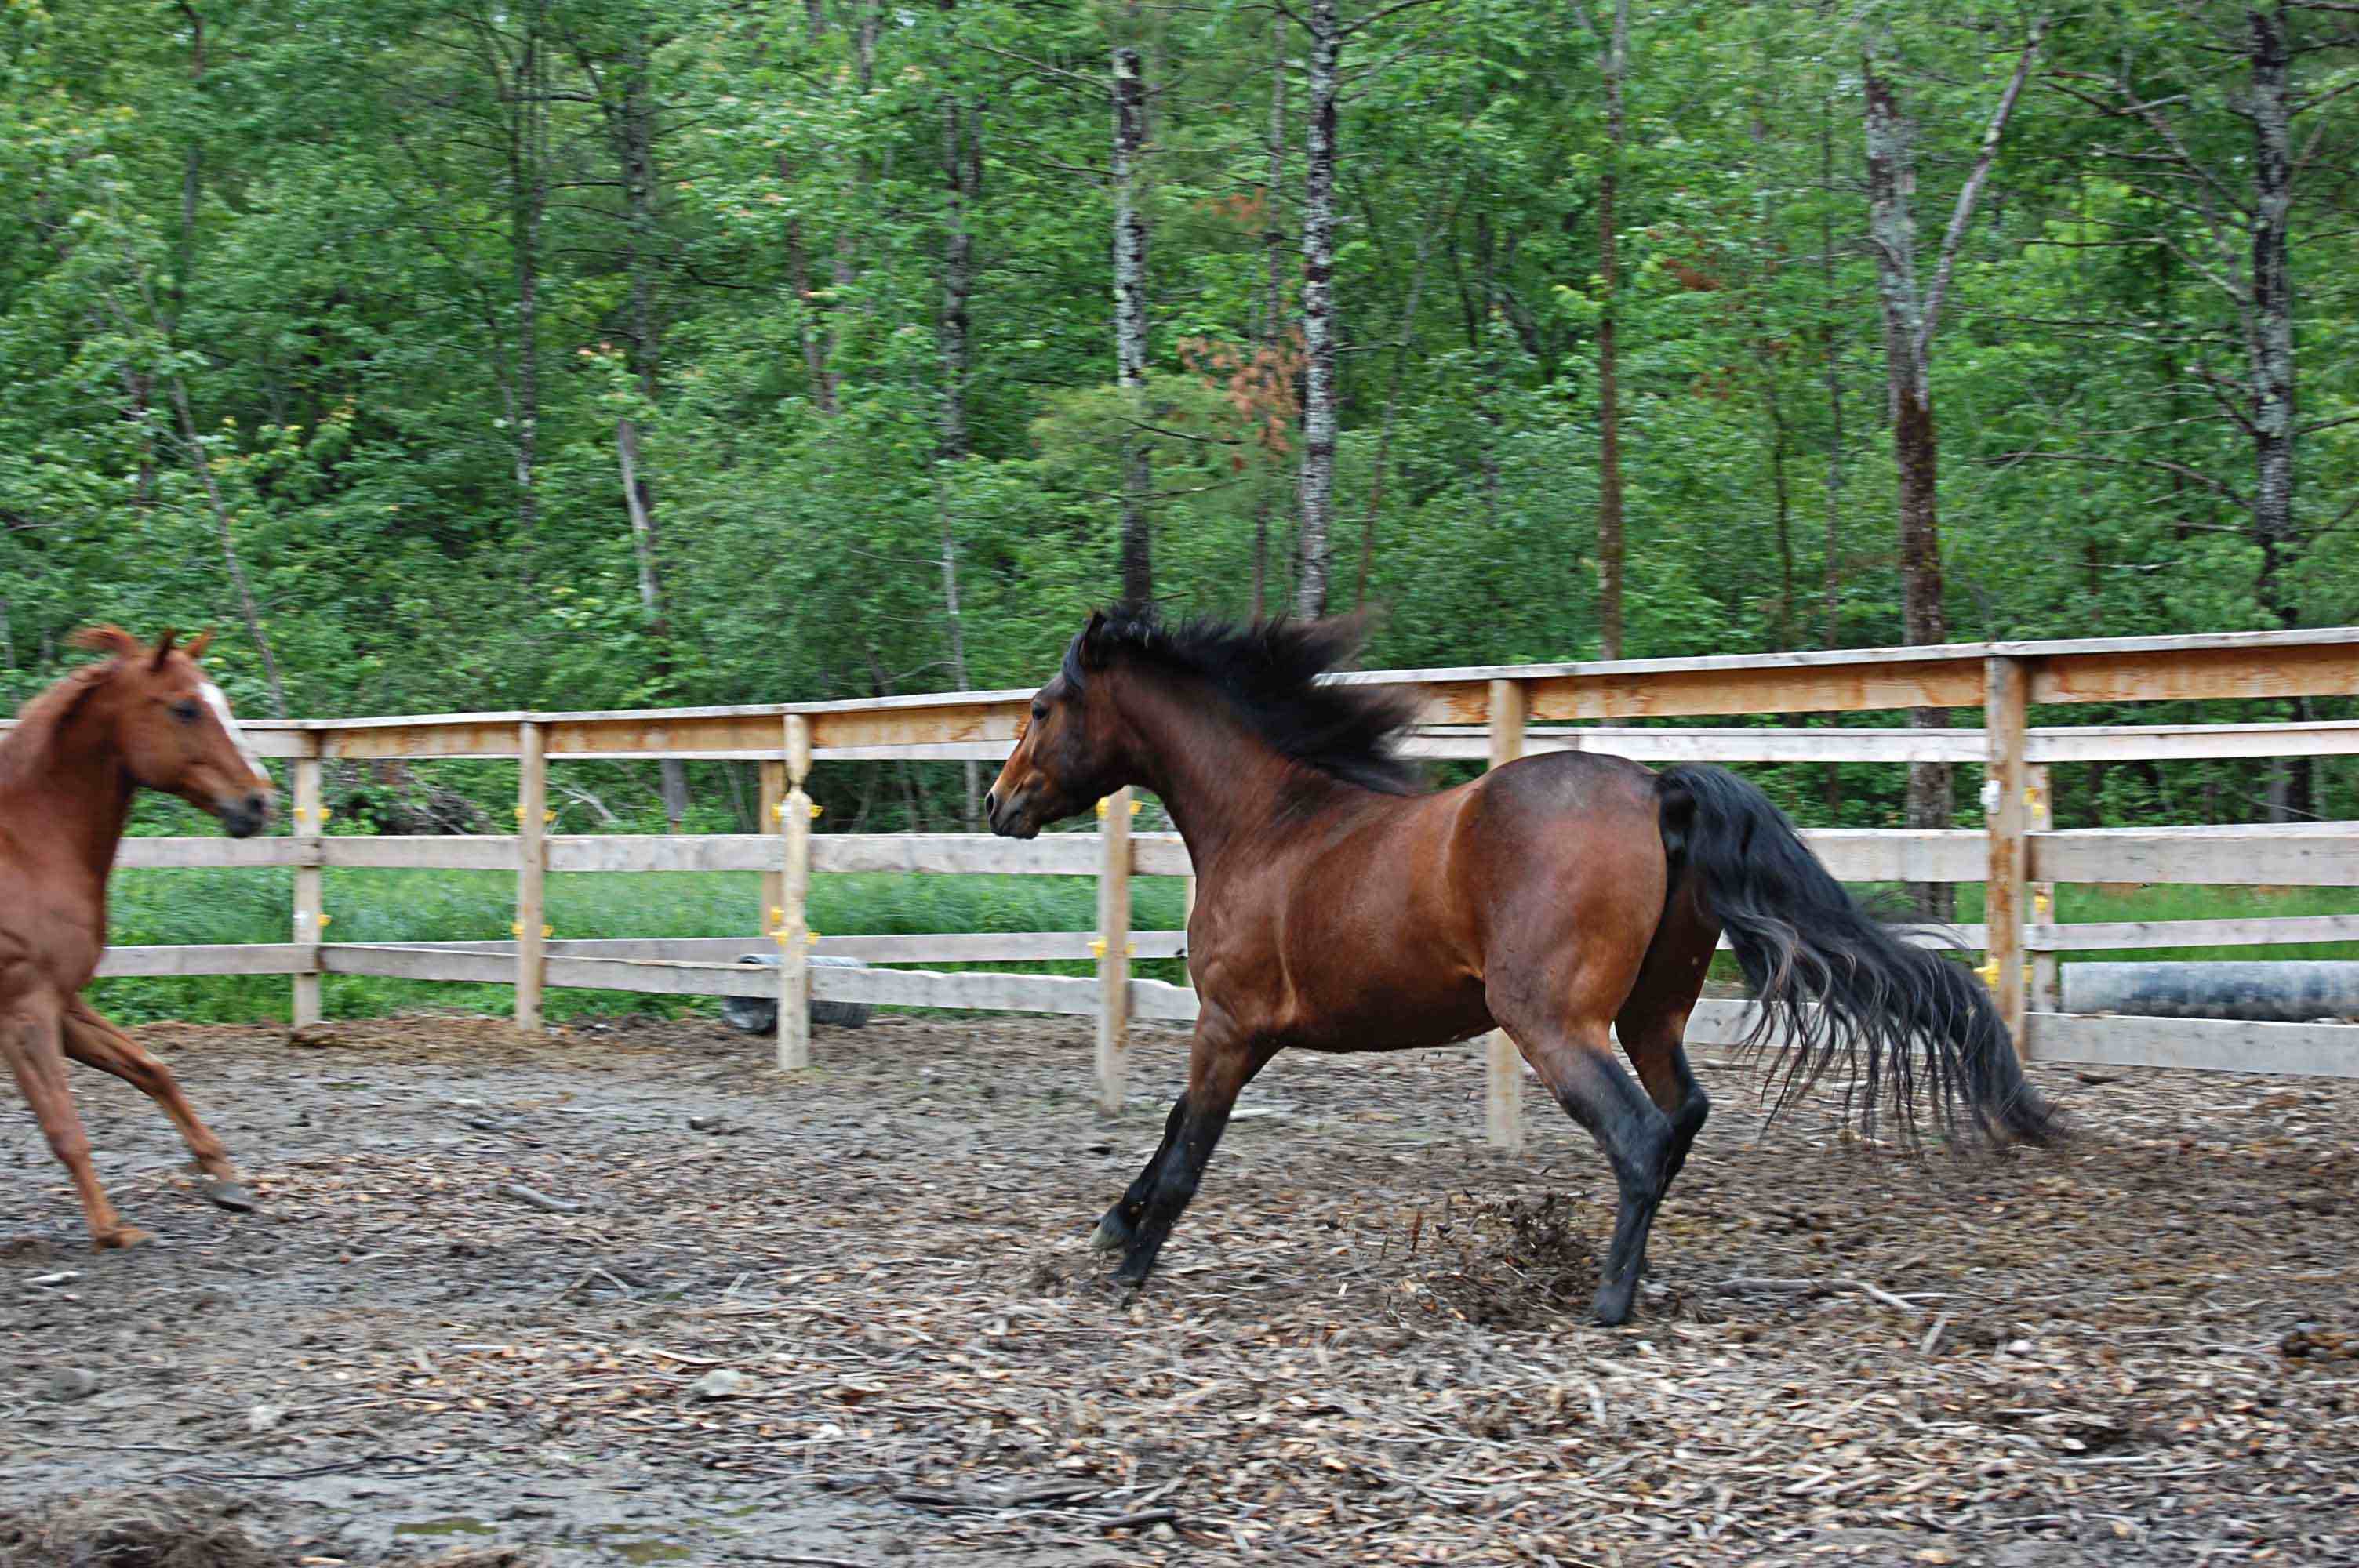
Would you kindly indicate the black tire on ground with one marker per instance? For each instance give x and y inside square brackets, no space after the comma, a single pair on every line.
[759,1015]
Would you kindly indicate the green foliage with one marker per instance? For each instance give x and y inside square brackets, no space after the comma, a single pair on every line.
[322,218]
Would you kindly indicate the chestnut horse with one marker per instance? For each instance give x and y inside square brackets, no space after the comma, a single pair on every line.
[146,717]
[1567,898]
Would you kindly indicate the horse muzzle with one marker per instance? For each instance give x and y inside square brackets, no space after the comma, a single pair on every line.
[1012,817]
[245,816]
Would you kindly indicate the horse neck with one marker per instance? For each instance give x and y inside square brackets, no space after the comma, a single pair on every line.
[72,786]
[1217,777]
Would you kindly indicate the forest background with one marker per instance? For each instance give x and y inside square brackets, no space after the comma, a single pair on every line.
[547,354]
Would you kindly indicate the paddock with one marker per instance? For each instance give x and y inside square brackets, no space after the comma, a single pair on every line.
[657,1292]
[492,1273]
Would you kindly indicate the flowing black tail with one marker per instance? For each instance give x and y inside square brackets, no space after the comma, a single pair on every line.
[1831,981]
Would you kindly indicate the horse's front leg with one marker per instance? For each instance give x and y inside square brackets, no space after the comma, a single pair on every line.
[1221,1061]
[1120,1223]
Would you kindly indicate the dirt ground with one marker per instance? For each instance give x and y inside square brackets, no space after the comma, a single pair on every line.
[624,1295]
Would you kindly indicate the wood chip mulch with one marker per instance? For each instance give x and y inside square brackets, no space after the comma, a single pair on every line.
[627,1276]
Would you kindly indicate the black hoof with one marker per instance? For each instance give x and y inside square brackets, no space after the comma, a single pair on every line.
[1612,1307]
[1112,1233]
[231,1195]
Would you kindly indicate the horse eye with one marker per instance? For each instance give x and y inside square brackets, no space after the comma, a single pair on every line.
[1039,711]
[187,711]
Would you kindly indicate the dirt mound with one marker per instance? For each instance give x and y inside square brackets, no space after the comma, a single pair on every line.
[1511,1263]
[120,1530]
[183,1529]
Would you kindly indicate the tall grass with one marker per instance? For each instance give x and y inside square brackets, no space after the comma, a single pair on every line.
[253,906]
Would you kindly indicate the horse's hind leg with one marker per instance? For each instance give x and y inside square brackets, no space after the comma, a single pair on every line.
[1576,1061]
[90,1040]
[1654,1019]
[29,1038]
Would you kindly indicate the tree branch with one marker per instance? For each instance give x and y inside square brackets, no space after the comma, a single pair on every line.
[2195,476]
[1972,191]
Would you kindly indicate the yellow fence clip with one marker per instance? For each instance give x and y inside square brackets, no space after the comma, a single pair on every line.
[515,929]
[1101,811]
[816,809]
[1097,948]
[2042,906]
[326,919]
[810,939]
[549,815]
[1988,975]
[325,813]
[778,812]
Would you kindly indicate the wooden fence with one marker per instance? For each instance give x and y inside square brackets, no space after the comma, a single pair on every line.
[1492,714]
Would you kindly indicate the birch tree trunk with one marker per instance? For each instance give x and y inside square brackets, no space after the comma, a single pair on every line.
[1130,326]
[1317,489]
[528,149]
[1609,392]
[1272,241]
[962,177]
[634,137]
[2271,349]
[1831,583]
[1910,316]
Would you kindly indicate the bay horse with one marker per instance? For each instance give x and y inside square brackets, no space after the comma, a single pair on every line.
[1567,898]
[146,717]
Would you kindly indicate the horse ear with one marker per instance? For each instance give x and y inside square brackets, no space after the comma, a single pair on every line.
[198,644]
[164,646]
[1093,646]
[112,640]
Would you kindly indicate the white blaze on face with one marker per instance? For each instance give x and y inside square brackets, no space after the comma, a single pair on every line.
[220,705]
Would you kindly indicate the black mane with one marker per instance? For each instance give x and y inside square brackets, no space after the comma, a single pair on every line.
[1268,671]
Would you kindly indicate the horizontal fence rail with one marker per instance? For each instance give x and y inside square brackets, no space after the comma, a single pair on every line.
[1489,714]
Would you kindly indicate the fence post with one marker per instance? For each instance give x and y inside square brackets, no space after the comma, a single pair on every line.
[1503,1072]
[532,872]
[772,813]
[2005,718]
[1113,947]
[310,903]
[794,815]
[2047,984]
